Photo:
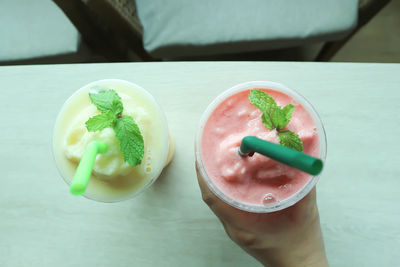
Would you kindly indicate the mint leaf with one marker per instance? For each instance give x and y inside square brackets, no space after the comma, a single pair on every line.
[130,140]
[282,116]
[99,122]
[267,121]
[276,117]
[126,130]
[291,140]
[266,104]
[288,109]
[107,101]
[116,107]
[262,100]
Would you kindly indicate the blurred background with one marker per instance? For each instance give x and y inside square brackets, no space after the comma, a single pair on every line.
[79,31]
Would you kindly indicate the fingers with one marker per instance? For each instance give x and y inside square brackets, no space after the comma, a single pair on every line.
[304,210]
[226,213]
[208,197]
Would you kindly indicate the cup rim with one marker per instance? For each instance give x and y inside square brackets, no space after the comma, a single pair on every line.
[160,112]
[282,204]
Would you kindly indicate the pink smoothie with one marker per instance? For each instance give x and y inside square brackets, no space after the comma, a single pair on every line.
[255,180]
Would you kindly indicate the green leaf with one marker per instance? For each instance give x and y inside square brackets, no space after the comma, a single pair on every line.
[282,117]
[266,120]
[116,107]
[276,117]
[288,109]
[126,130]
[130,140]
[291,140]
[99,122]
[262,101]
[107,101]
[266,104]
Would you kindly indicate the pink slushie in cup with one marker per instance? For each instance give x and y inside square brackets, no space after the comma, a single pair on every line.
[257,183]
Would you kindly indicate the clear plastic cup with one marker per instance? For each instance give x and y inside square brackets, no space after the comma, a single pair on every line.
[159,147]
[279,204]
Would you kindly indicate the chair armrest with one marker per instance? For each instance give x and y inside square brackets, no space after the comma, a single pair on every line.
[110,27]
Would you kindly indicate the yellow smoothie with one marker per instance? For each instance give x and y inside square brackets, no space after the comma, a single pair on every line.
[112,179]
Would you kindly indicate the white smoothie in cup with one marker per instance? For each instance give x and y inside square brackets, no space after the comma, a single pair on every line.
[112,178]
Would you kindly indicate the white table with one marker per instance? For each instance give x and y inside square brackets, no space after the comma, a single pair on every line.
[169,225]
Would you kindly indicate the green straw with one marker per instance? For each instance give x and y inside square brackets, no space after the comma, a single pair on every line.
[285,155]
[85,167]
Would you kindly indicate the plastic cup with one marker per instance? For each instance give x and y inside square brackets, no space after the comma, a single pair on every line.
[157,154]
[279,204]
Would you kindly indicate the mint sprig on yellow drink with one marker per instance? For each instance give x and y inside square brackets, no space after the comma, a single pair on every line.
[126,130]
[276,117]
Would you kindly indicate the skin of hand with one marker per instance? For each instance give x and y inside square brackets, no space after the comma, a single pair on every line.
[289,237]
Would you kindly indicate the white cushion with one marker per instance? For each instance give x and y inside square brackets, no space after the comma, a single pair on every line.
[204,27]
[34,28]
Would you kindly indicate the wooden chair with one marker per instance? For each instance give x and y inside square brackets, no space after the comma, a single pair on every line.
[112,28]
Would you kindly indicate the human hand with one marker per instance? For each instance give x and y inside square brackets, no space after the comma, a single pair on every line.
[290,237]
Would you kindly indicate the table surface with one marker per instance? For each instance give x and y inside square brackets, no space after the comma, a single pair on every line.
[169,225]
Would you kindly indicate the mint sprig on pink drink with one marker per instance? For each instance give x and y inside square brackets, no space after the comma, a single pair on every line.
[126,130]
[276,117]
